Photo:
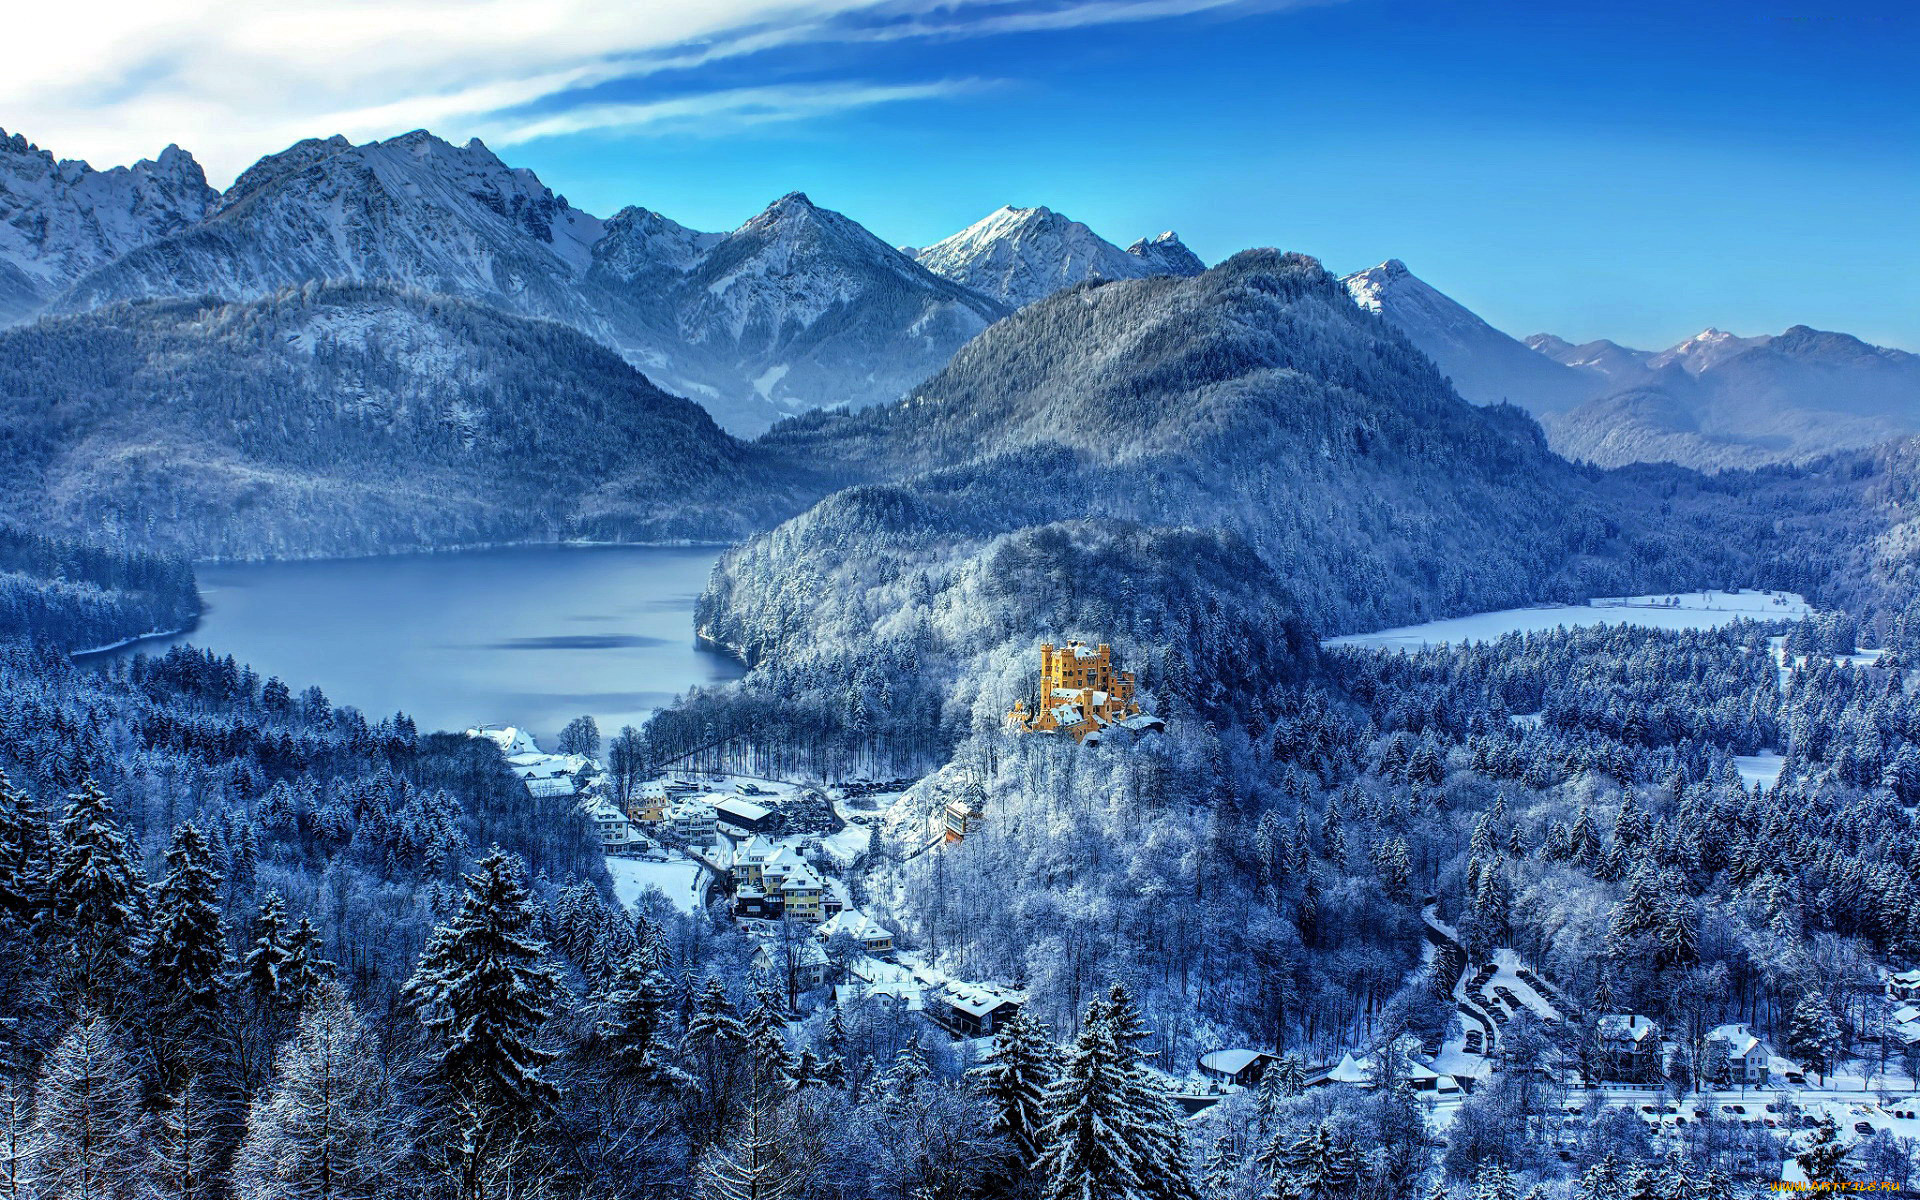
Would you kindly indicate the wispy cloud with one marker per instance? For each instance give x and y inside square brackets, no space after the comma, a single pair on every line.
[231,79]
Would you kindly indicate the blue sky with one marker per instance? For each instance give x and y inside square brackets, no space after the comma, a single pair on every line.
[1631,169]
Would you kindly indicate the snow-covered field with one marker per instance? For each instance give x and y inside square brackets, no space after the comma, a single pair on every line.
[1759,768]
[1684,610]
[681,879]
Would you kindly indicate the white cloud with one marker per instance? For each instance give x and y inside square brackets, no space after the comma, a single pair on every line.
[115,80]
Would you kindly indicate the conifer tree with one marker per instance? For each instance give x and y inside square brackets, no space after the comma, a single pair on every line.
[268,984]
[97,896]
[483,989]
[1813,1034]
[88,1144]
[1824,1158]
[187,957]
[715,1043]
[1085,1155]
[329,1128]
[307,968]
[1157,1122]
[766,1029]
[22,838]
[752,1164]
[1017,1074]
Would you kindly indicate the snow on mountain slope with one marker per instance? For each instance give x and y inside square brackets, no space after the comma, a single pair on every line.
[1485,365]
[1167,254]
[1019,255]
[413,210]
[61,218]
[799,308]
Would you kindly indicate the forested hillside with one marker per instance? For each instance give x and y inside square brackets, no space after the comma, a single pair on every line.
[74,596]
[356,419]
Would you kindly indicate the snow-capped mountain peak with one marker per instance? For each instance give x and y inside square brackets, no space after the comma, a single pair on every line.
[1019,255]
[1167,254]
[62,218]
[1705,350]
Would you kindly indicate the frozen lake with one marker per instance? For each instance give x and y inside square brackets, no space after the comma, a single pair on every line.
[530,637]
[1681,610]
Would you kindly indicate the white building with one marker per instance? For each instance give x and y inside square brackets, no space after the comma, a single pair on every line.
[1747,1057]
[872,936]
[611,824]
[691,821]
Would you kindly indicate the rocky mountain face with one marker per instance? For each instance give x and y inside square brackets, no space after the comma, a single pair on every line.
[60,219]
[1019,255]
[1718,400]
[1485,365]
[799,308]
[334,419]
[412,210]
[1167,255]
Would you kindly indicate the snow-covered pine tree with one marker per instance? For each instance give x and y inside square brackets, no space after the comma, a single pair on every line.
[187,958]
[22,840]
[307,967]
[266,966]
[87,1143]
[97,897]
[483,988]
[766,1027]
[1494,1182]
[715,1043]
[329,1127]
[1084,1147]
[1825,1156]
[1016,1076]
[1813,1034]
[1159,1141]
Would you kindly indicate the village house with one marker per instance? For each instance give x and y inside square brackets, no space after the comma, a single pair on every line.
[808,961]
[872,936]
[1747,1057]
[1627,1048]
[1904,986]
[613,826]
[692,822]
[648,804]
[972,1010]
[1080,694]
[1243,1067]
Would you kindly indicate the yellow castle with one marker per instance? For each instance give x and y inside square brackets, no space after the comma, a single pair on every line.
[1081,694]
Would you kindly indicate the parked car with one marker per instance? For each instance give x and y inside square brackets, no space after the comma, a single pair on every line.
[1862,1128]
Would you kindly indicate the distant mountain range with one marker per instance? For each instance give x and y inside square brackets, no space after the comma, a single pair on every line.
[1713,401]
[799,308]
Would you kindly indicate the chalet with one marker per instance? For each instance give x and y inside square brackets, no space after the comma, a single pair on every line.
[972,1010]
[808,961]
[1243,1067]
[741,815]
[1627,1048]
[1903,1026]
[1747,1057]
[1080,694]
[872,936]
[1904,986]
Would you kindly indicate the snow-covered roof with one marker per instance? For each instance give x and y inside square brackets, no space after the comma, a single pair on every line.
[1906,1013]
[507,737]
[1349,1070]
[1082,650]
[561,785]
[1231,1062]
[741,810]
[978,999]
[1908,978]
[801,878]
[1631,1026]
[855,924]
[1740,1041]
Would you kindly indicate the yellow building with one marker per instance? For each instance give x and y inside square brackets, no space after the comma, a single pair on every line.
[1080,694]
